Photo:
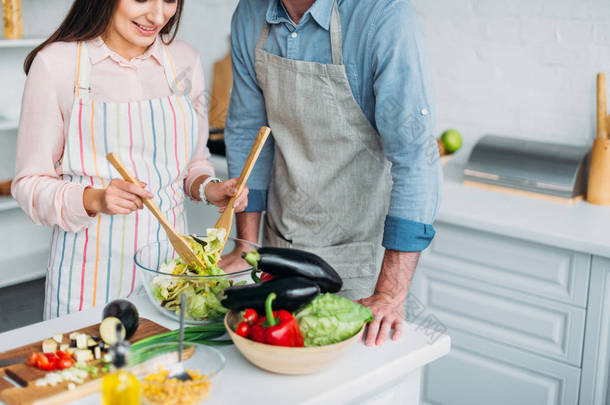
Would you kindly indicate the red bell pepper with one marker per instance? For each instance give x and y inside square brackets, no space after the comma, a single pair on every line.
[278,328]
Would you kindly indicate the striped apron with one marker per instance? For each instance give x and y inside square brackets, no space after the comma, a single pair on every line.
[155,139]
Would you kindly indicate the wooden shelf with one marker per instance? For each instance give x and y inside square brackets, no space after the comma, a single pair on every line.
[22,269]
[21,43]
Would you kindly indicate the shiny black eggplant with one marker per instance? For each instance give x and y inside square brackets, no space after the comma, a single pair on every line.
[292,293]
[282,262]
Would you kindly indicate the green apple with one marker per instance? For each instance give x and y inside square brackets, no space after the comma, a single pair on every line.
[452,140]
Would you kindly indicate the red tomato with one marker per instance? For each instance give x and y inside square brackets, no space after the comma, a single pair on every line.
[243,329]
[61,354]
[32,359]
[51,356]
[250,315]
[64,363]
[43,363]
[266,276]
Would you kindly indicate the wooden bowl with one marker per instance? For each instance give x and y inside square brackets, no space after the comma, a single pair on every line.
[287,360]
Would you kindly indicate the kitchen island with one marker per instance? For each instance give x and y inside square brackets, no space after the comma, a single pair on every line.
[387,374]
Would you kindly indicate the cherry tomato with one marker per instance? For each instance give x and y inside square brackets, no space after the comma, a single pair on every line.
[32,359]
[61,354]
[266,276]
[250,315]
[43,363]
[243,329]
[51,356]
[64,363]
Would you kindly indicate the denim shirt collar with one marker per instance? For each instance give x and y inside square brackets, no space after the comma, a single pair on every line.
[321,11]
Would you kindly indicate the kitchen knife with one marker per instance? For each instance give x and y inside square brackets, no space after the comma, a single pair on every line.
[10,362]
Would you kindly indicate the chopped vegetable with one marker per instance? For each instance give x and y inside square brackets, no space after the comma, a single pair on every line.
[64,347]
[49,346]
[331,319]
[58,337]
[32,359]
[73,375]
[278,328]
[81,341]
[108,330]
[63,363]
[83,355]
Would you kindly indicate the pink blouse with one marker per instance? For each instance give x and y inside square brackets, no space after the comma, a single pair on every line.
[45,117]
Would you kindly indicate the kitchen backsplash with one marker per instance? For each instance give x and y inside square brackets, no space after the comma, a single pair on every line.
[521,68]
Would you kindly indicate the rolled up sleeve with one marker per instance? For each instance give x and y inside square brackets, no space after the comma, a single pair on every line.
[404,116]
[247,113]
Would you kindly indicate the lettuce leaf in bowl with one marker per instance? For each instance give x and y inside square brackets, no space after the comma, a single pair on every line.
[330,318]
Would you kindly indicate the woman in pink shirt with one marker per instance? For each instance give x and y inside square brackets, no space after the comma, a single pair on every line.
[111,79]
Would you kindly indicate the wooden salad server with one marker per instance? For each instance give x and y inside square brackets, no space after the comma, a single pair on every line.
[180,245]
[226,219]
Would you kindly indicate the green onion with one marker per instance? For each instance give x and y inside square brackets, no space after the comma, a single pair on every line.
[202,334]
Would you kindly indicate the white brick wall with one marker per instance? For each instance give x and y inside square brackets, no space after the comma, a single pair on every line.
[523,68]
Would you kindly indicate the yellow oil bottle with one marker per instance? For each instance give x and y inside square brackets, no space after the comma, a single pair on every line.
[120,387]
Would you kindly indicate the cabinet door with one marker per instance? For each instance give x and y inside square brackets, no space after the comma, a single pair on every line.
[541,270]
[480,372]
[596,357]
[488,363]
[525,322]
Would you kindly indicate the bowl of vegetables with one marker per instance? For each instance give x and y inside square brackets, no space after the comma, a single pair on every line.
[166,276]
[304,341]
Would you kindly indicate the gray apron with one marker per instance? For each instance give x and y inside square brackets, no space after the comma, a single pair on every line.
[330,184]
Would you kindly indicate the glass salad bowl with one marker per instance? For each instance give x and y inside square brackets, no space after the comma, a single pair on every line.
[165,277]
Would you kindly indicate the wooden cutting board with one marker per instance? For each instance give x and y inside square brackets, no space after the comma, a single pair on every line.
[25,375]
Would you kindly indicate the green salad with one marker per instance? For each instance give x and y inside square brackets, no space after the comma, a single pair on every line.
[203,295]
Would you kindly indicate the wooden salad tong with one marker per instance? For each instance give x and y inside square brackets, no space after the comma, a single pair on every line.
[226,219]
[180,245]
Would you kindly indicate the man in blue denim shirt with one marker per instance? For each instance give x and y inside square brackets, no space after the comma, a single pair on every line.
[352,166]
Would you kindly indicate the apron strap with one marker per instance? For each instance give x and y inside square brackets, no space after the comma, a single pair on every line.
[262,38]
[82,85]
[336,39]
[170,72]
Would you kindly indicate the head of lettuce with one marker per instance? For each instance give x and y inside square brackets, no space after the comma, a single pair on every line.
[330,318]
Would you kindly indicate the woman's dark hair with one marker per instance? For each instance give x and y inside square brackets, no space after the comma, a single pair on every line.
[89,19]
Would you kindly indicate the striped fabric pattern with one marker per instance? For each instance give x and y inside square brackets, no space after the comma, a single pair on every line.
[155,139]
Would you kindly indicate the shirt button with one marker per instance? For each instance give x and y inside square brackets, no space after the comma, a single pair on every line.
[294,35]
[424,111]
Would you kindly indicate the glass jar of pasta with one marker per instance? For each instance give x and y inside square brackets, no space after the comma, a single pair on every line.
[11,16]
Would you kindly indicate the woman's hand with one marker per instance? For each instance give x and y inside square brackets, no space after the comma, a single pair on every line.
[120,197]
[219,194]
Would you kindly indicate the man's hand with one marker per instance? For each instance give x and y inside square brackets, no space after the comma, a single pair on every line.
[388,315]
[388,300]
[247,224]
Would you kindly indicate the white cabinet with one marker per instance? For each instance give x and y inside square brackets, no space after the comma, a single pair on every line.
[516,313]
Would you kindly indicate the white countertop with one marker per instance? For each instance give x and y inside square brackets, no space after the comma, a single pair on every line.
[361,369]
[580,227]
